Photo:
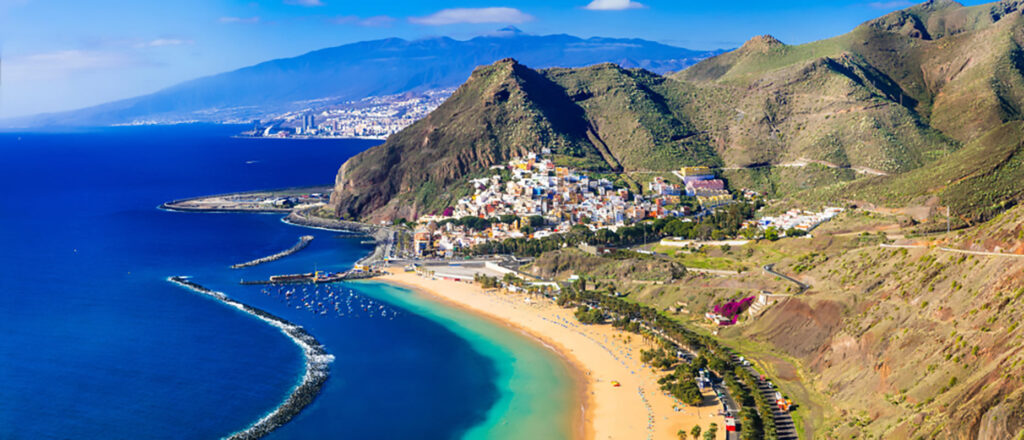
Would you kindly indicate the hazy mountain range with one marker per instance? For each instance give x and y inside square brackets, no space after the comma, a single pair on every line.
[358,70]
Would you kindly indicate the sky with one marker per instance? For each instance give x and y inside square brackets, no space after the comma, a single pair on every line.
[67,54]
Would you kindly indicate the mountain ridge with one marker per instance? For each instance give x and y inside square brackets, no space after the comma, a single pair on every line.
[878,97]
[357,70]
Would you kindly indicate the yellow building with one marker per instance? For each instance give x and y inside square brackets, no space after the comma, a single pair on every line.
[695,171]
[716,200]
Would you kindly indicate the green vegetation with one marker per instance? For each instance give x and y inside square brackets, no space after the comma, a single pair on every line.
[682,385]
[724,223]
[635,317]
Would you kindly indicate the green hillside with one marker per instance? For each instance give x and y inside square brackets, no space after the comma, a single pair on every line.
[898,95]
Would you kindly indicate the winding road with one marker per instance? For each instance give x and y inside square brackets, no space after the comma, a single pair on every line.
[770,268]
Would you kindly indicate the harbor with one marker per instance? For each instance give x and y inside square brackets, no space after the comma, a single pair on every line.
[316,277]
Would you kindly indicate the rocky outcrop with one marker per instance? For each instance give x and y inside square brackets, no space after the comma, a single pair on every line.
[1004,420]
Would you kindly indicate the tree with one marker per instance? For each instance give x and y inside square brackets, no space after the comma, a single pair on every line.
[682,434]
[586,315]
[712,430]
[794,232]
[695,432]
[771,233]
[510,278]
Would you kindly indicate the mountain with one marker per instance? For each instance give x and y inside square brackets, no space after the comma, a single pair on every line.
[929,91]
[918,110]
[370,68]
[602,118]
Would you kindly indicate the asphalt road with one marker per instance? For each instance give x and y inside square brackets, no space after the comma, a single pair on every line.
[770,269]
[784,425]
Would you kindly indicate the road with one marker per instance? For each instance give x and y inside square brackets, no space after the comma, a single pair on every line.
[769,269]
[784,425]
[727,400]
[947,249]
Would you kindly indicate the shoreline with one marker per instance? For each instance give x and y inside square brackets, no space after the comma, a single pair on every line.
[317,365]
[581,430]
[596,355]
[180,205]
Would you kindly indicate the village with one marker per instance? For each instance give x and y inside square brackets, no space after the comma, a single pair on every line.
[532,197]
[537,198]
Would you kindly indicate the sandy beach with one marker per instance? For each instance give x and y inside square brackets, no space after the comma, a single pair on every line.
[600,354]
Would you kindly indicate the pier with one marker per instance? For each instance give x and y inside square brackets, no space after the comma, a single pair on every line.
[303,242]
[314,278]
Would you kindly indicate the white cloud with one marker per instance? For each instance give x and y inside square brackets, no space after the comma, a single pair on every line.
[250,20]
[306,3]
[895,4]
[375,21]
[161,42]
[613,5]
[473,15]
[64,63]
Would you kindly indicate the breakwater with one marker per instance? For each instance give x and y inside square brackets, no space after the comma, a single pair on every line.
[303,242]
[317,364]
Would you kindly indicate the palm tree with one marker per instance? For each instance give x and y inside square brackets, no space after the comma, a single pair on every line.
[695,432]
[681,434]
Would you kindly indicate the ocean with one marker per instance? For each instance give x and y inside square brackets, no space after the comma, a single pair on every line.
[96,343]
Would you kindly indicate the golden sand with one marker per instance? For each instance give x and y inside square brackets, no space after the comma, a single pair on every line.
[600,354]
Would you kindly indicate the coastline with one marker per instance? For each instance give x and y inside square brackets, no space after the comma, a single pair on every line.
[597,355]
[317,368]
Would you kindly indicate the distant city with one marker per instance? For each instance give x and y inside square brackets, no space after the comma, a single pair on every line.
[376,117]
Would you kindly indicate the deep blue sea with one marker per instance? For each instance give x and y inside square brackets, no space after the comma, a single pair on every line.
[95,343]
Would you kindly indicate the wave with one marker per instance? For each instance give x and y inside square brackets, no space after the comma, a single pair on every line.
[317,364]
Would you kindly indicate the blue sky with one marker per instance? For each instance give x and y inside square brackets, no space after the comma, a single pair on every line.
[66,54]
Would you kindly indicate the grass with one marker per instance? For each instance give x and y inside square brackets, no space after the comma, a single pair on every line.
[704,262]
[812,406]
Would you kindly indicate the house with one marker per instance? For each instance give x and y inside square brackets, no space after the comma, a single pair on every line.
[594,250]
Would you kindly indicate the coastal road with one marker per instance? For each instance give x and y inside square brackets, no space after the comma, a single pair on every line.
[784,425]
[727,400]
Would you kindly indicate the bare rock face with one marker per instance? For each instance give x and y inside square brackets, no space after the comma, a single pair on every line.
[761,43]
[1004,420]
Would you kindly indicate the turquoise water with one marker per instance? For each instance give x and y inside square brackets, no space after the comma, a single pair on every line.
[97,344]
[535,399]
